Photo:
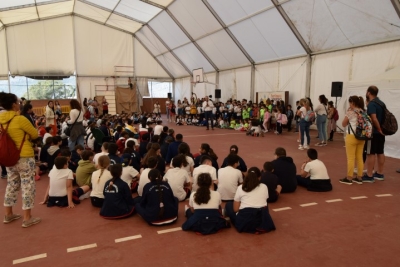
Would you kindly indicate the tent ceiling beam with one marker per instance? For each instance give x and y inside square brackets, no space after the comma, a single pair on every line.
[32,5]
[396,5]
[153,4]
[191,38]
[169,49]
[112,12]
[100,23]
[156,59]
[35,20]
[228,31]
[292,26]
[37,11]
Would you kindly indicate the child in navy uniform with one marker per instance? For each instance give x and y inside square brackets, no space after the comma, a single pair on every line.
[157,206]
[112,154]
[118,202]
[271,181]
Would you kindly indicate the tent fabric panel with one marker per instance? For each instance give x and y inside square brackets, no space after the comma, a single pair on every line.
[145,64]
[3,54]
[172,65]
[123,23]
[151,41]
[168,30]
[267,37]
[232,10]
[223,51]
[55,9]
[206,89]
[266,77]
[18,15]
[108,4]
[192,57]
[162,2]
[328,25]
[41,48]
[91,12]
[235,83]
[243,83]
[137,10]
[182,89]
[372,60]
[99,49]
[195,17]
[14,3]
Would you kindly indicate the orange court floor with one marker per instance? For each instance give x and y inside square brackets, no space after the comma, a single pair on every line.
[356,225]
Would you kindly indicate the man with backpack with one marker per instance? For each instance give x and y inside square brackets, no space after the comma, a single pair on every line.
[375,146]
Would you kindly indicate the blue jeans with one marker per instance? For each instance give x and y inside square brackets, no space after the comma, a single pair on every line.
[321,126]
[305,129]
[209,116]
[80,141]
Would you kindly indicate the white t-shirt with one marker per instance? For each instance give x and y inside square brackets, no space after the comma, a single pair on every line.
[176,178]
[158,129]
[98,183]
[143,180]
[46,135]
[128,173]
[303,112]
[256,129]
[353,120]
[213,203]
[208,105]
[317,170]
[257,198]
[321,110]
[97,156]
[228,180]
[58,181]
[203,169]
[188,167]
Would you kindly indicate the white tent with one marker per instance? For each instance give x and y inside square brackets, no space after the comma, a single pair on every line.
[389,82]
[244,46]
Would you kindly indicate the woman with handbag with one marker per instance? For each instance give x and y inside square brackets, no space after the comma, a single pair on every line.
[75,130]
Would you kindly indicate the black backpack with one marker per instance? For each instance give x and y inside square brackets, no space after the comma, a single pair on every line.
[389,122]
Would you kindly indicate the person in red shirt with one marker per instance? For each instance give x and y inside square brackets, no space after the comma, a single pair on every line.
[121,141]
[105,106]
[42,129]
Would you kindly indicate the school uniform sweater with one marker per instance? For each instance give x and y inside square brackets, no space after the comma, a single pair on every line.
[285,169]
[118,202]
[149,205]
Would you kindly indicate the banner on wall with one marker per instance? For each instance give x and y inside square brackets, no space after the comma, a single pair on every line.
[278,95]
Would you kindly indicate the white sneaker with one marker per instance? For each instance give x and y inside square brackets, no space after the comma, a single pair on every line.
[86,195]
[306,147]
[301,147]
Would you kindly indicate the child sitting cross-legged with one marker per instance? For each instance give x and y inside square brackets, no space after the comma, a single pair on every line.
[99,179]
[59,191]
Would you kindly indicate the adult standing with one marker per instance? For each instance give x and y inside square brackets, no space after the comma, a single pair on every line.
[27,112]
[157,108]
[95,105]
[322,114]
[21,175]
[77,131]
[208,106]
[51,117]
[105,106]
[375,146]
[332,117]
[168,108]
[354,147]
[304,125]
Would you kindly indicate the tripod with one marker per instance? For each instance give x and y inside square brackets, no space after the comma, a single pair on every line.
[336,111]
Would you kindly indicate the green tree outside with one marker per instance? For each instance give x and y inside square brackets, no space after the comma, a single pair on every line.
[44,90]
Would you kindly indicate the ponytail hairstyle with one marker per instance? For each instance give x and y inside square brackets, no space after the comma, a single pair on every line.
[104,162]
[155,177]
[323,100]
[184,148]
[310,104]
[209,151]
[234,149]
[357,101]
[361,103]
[252,180]
[116,172]
[203,193]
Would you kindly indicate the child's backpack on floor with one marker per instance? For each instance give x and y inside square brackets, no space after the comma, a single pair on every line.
[363,129]
[9,153]
[284,119]
[389,124]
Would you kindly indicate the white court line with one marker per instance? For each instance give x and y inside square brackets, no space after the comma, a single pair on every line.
[308,204]
[123,239]
[384,195]
[334,200]
[169,230]
[360,197]
[31,258]
[211,134]
[94,245]
[281,209]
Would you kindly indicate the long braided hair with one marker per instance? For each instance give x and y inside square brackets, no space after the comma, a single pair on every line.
[104,162]
[155,177]
[203,194]
[116,172]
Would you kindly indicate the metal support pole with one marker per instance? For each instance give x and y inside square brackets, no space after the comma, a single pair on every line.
[308,75]
[253,82]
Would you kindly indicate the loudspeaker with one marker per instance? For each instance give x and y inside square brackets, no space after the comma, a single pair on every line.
[170,95]
[217,93]
[337,89]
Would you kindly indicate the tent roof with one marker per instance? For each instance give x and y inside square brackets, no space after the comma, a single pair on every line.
[225,34]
